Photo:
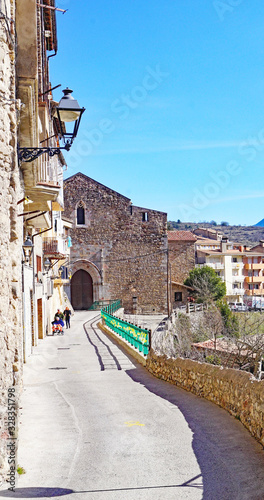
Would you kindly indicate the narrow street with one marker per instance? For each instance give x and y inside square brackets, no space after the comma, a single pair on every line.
[96,425]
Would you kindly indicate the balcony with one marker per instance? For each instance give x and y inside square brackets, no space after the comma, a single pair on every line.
[238,279]
[237,265]
[251,293]
[257,267]
[238,291]
[55,248]
[215,265]
[254,279]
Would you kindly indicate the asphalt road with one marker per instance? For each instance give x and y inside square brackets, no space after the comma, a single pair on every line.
[97,426]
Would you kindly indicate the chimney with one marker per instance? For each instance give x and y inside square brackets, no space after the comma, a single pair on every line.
[261,242]
[223,244]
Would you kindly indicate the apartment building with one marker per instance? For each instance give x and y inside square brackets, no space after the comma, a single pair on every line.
[254,271]
[228,263]
[240,267]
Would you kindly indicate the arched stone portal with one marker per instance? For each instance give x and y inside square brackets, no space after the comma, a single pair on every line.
[85,284]
[81,290]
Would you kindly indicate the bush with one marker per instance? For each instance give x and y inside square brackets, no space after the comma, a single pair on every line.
[213,359]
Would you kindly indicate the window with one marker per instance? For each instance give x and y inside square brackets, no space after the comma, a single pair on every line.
[134,299]
[234,259]
[145,216]
[178,296]
[80,214]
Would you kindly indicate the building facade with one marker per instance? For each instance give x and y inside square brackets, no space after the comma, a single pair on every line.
[118,251]
[31,192]
[182,260]
[11,227]
[254,273]
[228,264]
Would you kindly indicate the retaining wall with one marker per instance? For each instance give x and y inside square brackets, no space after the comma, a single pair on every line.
[236,391]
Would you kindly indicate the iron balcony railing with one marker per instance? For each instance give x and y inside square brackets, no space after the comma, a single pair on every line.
[54,246]
[138,337]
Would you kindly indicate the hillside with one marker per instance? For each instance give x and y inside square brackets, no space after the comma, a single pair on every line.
[246,235]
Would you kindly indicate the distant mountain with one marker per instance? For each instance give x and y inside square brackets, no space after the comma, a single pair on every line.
[260,223]
[246,235]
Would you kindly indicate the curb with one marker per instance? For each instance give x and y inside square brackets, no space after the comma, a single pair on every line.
[126,347]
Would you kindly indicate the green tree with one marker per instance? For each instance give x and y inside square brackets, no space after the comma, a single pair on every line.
[205,285]
[231,322]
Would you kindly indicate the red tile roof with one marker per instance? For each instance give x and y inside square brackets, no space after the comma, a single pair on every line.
[181,236]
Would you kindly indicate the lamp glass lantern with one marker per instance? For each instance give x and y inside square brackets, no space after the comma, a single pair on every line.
[68,111]
[27,248]
[47,265]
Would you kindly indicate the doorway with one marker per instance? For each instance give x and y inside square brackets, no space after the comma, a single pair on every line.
[40,319]
[81,290]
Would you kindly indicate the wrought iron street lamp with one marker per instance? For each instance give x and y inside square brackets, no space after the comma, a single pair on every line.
[27,248]
[67,111]
[47,265]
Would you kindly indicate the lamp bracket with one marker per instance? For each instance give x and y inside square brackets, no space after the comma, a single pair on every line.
[30,154]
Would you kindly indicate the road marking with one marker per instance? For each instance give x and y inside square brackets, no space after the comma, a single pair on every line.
[133,422]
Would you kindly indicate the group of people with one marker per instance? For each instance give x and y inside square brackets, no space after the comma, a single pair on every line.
[59,317]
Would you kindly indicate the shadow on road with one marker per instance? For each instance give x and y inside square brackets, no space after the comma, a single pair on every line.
[231,461]
[36,493]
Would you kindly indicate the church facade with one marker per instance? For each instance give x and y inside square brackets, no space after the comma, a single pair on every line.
[119,251]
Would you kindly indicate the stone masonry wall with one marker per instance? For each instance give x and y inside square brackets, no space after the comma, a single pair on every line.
[11,344]
[236,391]
[182,259]
[130,253]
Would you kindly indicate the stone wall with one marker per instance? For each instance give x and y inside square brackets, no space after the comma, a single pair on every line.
[236,391]
[182,259]
[130,253]
[11,343]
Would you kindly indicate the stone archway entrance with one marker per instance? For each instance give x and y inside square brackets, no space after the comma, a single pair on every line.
[81,290]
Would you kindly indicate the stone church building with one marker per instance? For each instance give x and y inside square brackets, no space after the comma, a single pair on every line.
[118,251]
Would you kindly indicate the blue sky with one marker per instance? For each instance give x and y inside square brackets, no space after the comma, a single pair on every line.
[174,98]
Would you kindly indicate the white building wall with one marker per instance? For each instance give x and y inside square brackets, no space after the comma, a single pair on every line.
[27,310]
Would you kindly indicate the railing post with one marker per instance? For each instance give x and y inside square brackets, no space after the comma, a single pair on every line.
[150,339]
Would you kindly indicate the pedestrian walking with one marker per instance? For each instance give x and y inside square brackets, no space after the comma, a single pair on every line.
[67,315]
[60,314]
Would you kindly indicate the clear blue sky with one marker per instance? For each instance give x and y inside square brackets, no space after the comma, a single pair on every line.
[174,98]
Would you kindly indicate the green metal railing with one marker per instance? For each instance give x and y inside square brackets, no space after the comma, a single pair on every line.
[135,335]
[99,304]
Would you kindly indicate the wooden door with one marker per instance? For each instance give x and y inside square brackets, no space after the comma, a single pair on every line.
[40,319]
[81,290]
